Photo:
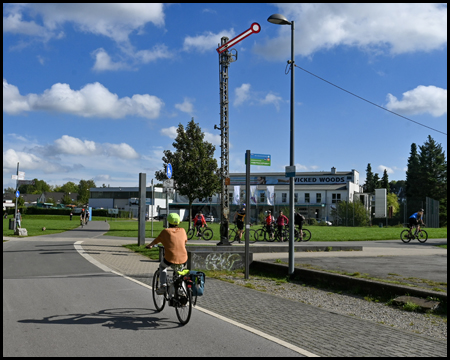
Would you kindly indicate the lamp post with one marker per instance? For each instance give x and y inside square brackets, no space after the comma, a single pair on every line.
[281,20]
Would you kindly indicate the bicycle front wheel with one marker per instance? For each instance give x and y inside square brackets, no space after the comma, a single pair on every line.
[190,234]
[207,234]
[252,236]
[306,235]
[422,236]
[405,236]
[232,235]
[158,300]
[260,235]
[183,306]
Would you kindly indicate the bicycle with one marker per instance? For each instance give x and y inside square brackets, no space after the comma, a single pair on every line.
[206,233]
[419,234]
[234,236]
[284,233]
[178,294]
[306,236]
[264,234]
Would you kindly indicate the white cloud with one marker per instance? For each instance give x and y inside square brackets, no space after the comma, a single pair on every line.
[123,151]
[272,99]
[186,106]
[393,27]
[93,100]
[422,99]
[208,41]
[170,132]
[28,161]
[70,145]
[158,52]
[114,20]
[241,94]
[103,61]
[13,102]
[381,168]
[212,138]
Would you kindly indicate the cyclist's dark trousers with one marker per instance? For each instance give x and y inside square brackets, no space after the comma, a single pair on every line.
[412,222]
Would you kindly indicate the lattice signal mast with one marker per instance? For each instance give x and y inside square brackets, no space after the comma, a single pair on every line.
[226,57]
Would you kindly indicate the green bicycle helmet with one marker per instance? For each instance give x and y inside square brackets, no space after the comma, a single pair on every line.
[173,218]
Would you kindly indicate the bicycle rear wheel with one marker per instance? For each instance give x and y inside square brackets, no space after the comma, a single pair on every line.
[183,307]
[158,300]
[207,234]
[190,234]
[306,235]
[404,235]
[422,236]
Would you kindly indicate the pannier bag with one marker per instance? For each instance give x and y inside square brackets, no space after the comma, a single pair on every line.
[198,282]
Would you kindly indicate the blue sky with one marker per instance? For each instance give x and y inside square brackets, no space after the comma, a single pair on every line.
[96,91]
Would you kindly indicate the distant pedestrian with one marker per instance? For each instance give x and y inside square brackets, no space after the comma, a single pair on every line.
[18,218]
[5,215]
[71,216]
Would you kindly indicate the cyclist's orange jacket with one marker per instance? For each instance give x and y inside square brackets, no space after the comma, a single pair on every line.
[174,241]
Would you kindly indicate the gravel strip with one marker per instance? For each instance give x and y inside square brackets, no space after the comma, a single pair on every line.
[352,305]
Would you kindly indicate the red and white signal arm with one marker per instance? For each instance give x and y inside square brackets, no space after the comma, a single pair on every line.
[254,28]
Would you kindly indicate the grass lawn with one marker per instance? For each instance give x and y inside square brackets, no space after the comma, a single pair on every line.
[53,224]
[129,228]
[318,233]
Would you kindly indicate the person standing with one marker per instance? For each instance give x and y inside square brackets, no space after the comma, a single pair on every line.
[299,219]
[281,222]
[18,218]
[269,223]
[71,214]
[239,219]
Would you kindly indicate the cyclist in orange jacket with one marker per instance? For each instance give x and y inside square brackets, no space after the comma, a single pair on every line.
[199,222]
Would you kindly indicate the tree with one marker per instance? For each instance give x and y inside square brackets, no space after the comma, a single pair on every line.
[349,213]
[66,200]
[369,184]
[412,185]
[433,175]
[9,190]
[376,182]
[83,190]
[392,200]
[385,181]
[39,187]
[195,171]
[69,187]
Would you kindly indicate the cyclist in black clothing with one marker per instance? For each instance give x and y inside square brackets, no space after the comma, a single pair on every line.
[299,219]
[239,218]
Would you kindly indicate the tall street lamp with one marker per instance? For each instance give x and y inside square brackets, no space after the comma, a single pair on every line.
[281,20]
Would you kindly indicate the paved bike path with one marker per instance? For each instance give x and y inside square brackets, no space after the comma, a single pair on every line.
[319,331]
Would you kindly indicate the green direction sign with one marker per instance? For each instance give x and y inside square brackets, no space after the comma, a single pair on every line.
[259,159]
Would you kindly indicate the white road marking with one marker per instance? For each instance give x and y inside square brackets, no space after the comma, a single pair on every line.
[304,352]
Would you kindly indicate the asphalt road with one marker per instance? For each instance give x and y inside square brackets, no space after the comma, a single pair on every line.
[56,303]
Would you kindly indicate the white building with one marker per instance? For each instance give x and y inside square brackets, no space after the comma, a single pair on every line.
[316,194]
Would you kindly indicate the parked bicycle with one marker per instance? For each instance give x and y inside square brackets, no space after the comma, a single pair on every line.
[234,236]
[179,293]
[205,233]
[419,234]
[264,233]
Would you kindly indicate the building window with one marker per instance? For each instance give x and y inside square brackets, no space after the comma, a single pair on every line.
[306,198]
[230,198]
[335,198]
[284,197]
[318,198]
[262,197]
[295,197]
